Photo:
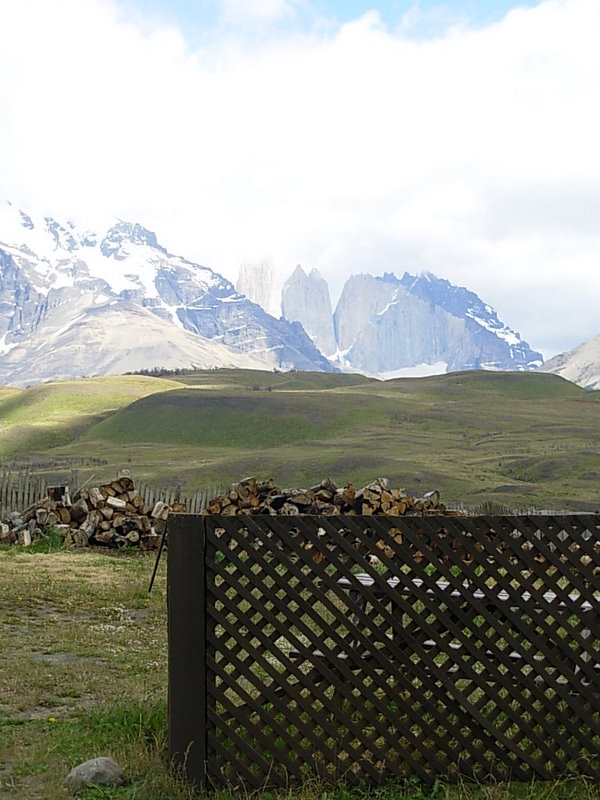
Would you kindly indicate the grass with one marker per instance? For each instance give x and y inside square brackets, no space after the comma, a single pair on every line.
[49,415]
[520,439]
[234,420]
[83,673]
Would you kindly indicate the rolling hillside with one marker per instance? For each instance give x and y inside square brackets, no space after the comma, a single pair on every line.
[522,439]
[35,420]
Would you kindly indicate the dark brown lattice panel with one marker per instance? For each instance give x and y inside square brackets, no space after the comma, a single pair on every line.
[368,648]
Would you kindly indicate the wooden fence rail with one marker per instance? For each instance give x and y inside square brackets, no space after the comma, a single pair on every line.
[20,489]
[469,649]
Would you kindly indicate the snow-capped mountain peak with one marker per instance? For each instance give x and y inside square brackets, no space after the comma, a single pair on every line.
[123,237]
[57,285]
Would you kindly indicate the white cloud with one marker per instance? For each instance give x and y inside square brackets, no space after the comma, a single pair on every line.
[472,154]
[243,11]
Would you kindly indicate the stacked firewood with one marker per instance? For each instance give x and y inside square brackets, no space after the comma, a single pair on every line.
[252,496]
[112,515]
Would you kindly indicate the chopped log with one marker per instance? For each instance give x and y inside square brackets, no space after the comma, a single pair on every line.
[63,514]
[150,541]
[117,518]
[160,510]
[95,497]
[145,524]
[125,479]
[25,537]
[86,529]
[79,510]
[245,488]
[104,536]
[6,533]
[433,497]
[115,502]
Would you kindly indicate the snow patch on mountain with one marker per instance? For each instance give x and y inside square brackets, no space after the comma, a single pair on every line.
[56,281]
[418,371]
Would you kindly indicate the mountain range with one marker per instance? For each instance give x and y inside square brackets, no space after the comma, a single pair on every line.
[77,303]
[386,325]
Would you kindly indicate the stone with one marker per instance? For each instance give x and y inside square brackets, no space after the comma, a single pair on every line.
[102,771]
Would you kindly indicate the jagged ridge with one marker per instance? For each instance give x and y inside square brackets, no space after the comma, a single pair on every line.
[77,303]
[383,325]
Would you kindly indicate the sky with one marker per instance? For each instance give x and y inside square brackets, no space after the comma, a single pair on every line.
[450,136]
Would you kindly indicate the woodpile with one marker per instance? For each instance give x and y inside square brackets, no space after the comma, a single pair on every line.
[111,515]
[252,496]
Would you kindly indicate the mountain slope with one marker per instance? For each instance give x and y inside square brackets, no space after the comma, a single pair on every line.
[386,324]
[76,303]
[580,365]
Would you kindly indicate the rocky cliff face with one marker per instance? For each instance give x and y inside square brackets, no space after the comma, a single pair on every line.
[305,299]
[258,282]
[363,299]
[385,325]
[74,303]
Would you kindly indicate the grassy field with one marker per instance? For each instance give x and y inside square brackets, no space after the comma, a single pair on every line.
[83,673]
[522,440]
[46,416]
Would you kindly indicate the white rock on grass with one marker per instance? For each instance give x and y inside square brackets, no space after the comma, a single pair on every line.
[102,771]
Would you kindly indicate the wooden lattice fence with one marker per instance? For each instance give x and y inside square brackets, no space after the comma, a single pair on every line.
[469,649]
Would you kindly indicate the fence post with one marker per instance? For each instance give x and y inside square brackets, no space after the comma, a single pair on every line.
[186,604]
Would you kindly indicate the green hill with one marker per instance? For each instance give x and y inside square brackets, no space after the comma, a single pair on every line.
[522,439]
[52,414]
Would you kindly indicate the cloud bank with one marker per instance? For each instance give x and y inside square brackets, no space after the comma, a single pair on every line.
[350,148]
